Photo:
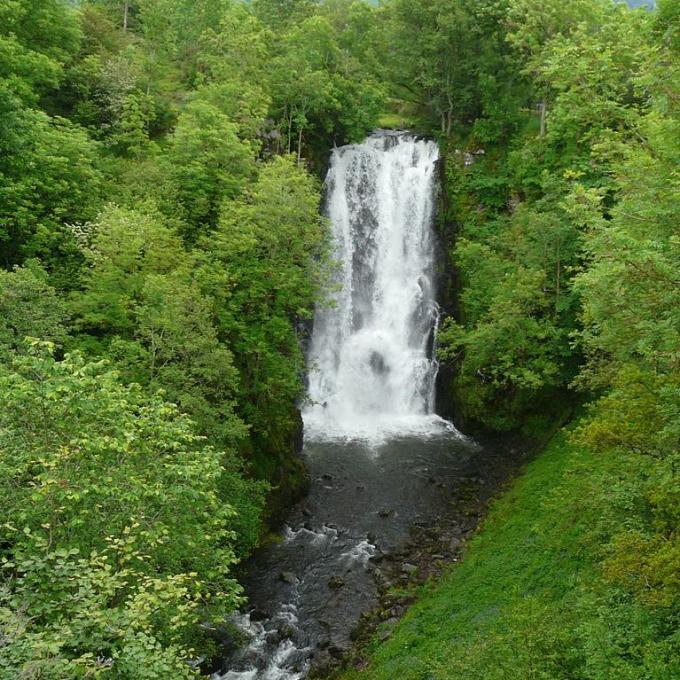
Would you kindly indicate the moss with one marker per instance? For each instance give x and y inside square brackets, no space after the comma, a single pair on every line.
[277,460]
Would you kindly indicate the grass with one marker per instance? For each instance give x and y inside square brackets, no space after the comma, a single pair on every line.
[528,600]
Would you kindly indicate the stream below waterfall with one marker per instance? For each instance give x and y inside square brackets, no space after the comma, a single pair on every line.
[382,464]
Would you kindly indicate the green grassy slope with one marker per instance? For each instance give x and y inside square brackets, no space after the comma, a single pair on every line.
[529,599]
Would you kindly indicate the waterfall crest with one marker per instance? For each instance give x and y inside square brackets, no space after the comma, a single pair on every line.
[371,364]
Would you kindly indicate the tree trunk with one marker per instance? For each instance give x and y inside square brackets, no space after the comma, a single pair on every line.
[449,111]
[558,276]
[126,9]
[299,154]
[290,129]
[543,107]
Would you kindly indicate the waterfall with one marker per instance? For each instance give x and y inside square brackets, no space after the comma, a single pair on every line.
[371,364]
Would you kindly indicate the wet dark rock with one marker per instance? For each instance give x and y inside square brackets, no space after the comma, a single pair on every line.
[273,637]
[288,577]
[469,523]
[307,512]
[258,615]
[286,631]
[339,648]
[455,529]
[327,476]
[385,512]
[336,582]
[378,364]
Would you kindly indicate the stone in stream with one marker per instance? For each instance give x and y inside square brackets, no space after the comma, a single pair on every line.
[455,529]
[288,577]
[286,631]
[336,582]
[408,568]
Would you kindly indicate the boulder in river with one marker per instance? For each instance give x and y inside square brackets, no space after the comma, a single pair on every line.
[288,577]
[286,631]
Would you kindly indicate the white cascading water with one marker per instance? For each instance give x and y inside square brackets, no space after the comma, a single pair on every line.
[371,364]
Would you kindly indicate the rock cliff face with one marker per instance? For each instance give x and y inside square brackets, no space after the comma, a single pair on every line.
[278,461]
[448,285]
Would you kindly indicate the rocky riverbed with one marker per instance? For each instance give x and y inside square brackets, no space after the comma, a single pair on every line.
[379,519]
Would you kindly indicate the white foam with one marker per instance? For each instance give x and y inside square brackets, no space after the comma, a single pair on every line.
[371,369]
[375,430]
[361,553]
[276,664]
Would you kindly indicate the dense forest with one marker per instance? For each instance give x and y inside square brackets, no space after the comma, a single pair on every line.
[162,250]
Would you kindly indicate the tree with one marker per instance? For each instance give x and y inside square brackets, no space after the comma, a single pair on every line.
[48,177]
[140,307]
[263,269]
[436,72]
[532,30]
[118,539]
[36,38]
[29,307]
[206,164]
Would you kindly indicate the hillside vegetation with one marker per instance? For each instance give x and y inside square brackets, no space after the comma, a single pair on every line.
[162,250]
[537,595]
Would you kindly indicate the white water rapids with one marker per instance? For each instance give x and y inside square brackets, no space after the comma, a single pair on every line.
[371,365]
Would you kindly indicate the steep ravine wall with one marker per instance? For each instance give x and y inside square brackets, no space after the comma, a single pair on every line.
[449,287]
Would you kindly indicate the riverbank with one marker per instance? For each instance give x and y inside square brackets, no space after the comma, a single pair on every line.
[529,598]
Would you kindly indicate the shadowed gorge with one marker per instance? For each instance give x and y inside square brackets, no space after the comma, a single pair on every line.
[381,463]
